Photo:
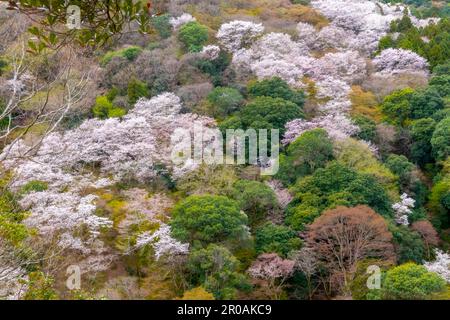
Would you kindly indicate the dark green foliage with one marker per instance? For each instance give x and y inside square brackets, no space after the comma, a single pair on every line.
[440,140]
[269,113]
[442,69]
[3,65]
[275,88]
[397,107]
[207,219]
[276,238]
[312,150]
[441,84]
[421,133]
[400,166]
[402,25]
[193,36]
[255,198]
[34,186]
[367,127]
[408,244]
[425,103]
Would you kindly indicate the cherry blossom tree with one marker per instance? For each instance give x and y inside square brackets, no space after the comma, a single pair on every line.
[307,34]
[391,61]
[338,127]
[272,268]
[403,209]
[238,34]
[441,265]
[347,66]
[162,242]
[210,52]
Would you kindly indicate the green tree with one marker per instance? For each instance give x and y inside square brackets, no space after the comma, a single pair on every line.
[441,84]
[396,106]
[411,282]
[255,198]
[193,35]
[368,128]
[312,150]
[332,186]
[408,244]
[269,113]
[276,238]
[425,103]
[208,218]
[224,101]
[215,268]
[400,166]
[275,88]
[440,140]
[421,134]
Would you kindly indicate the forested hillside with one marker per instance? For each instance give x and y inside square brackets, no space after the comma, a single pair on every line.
[93,205]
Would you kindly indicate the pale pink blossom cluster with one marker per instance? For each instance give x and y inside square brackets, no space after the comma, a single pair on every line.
[238,34]
[51,212]
[276,55]
[347,66]
[181,20]
[162,242]
[338,127]
[271,266]
[403,209]
[441,265]
[117,149]
[394,61]
[210,52]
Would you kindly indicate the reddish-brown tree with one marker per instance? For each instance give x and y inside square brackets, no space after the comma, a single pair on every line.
[343,236]
[428,233]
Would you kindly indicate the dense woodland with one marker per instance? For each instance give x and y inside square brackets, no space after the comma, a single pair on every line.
[359,90]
